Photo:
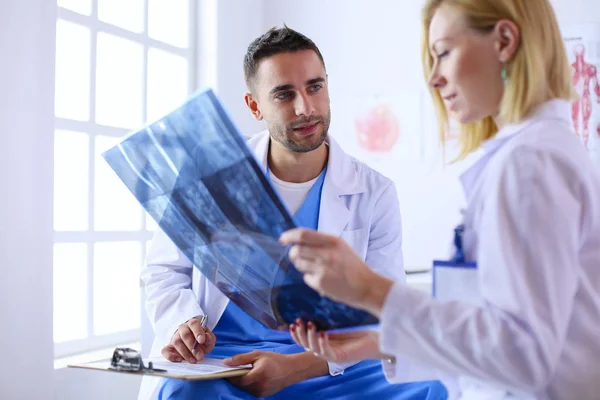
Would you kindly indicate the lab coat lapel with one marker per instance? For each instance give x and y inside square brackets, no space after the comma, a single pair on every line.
[341,181]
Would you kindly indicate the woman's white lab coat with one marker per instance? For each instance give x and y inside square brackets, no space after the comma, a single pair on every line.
[533,225]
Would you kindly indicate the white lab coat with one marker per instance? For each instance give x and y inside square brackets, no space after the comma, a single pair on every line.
[533,225]
[357,204]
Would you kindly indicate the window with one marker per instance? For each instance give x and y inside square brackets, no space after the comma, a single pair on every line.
[119,65]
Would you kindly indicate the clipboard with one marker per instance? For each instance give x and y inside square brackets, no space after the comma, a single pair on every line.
[129,361]
[457,278]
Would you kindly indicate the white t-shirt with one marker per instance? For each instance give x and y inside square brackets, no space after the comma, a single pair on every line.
[292,194]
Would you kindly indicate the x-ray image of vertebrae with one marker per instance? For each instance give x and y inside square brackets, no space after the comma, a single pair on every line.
[194,174]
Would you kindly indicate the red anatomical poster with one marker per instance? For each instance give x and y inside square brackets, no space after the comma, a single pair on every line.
[583,49]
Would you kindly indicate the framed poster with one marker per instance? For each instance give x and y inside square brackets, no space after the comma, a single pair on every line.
[582,43]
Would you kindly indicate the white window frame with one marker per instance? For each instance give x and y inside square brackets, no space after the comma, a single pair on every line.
[93,129]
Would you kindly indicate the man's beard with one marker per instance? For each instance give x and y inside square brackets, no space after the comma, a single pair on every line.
[284,134]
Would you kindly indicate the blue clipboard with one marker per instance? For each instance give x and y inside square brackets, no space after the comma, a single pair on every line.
[458,261]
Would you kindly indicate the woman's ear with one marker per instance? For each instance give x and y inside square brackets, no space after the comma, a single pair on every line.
[507,39]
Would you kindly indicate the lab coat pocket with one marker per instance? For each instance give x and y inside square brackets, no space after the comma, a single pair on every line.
[358,239]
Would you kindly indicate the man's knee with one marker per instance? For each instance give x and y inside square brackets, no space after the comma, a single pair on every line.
[174,389]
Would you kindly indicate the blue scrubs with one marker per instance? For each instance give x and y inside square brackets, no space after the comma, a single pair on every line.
[239,333]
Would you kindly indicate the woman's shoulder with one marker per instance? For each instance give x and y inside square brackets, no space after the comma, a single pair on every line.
[548,144]
[546,151]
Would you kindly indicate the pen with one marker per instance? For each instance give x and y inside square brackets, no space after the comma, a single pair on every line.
[203,321]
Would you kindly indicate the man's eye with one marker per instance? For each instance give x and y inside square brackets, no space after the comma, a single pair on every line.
[283,95]
[316,87]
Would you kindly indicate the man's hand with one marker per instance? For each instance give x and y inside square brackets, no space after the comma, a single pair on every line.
[272,372]
[191,342]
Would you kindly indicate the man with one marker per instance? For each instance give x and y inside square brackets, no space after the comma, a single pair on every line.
[324,189]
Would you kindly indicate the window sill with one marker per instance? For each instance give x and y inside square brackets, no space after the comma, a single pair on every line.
[94,355]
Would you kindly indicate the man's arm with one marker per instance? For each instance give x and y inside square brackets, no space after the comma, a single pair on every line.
[384,254]
[167,276]
[310,366]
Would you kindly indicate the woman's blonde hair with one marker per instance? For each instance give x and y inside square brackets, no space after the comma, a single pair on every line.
[539,70]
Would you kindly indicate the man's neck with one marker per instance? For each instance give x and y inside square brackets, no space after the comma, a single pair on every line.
[295,167]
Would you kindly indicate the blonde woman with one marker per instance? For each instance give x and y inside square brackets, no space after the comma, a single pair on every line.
[532,224]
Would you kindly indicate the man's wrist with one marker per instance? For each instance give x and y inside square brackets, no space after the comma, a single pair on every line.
[305,366]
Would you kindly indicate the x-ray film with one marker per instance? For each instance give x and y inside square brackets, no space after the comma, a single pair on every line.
[193,172]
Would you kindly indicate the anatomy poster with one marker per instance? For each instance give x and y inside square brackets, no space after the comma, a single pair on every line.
[583,49]
[381,130]
[377,128]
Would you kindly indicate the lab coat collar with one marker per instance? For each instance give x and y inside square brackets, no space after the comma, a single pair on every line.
[341,180]
[557,110]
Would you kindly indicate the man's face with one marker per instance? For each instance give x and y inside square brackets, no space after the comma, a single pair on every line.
[290,91]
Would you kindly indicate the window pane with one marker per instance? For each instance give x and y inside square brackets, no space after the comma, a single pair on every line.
[116,286]
[115,208]
[72,75]
[70,291]
[147,249]
[79,6]
[150,223]
[119,82]
[71,180]
[126,14]
[167,82]
[168,21]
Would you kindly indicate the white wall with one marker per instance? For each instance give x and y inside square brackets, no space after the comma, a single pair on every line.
[78,384]
[367,46]
[577,11]
[238,23]
[26,115]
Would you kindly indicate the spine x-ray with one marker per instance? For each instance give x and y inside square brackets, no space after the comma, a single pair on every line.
[193,172]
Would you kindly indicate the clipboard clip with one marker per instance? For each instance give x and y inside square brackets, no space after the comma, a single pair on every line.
[126,359]
[459,255]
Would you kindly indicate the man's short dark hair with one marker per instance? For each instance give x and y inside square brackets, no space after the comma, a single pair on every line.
[272,42]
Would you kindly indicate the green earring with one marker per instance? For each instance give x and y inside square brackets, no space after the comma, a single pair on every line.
[504,74]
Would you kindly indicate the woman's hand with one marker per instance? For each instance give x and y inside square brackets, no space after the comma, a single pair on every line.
[333,269]
[338,347]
